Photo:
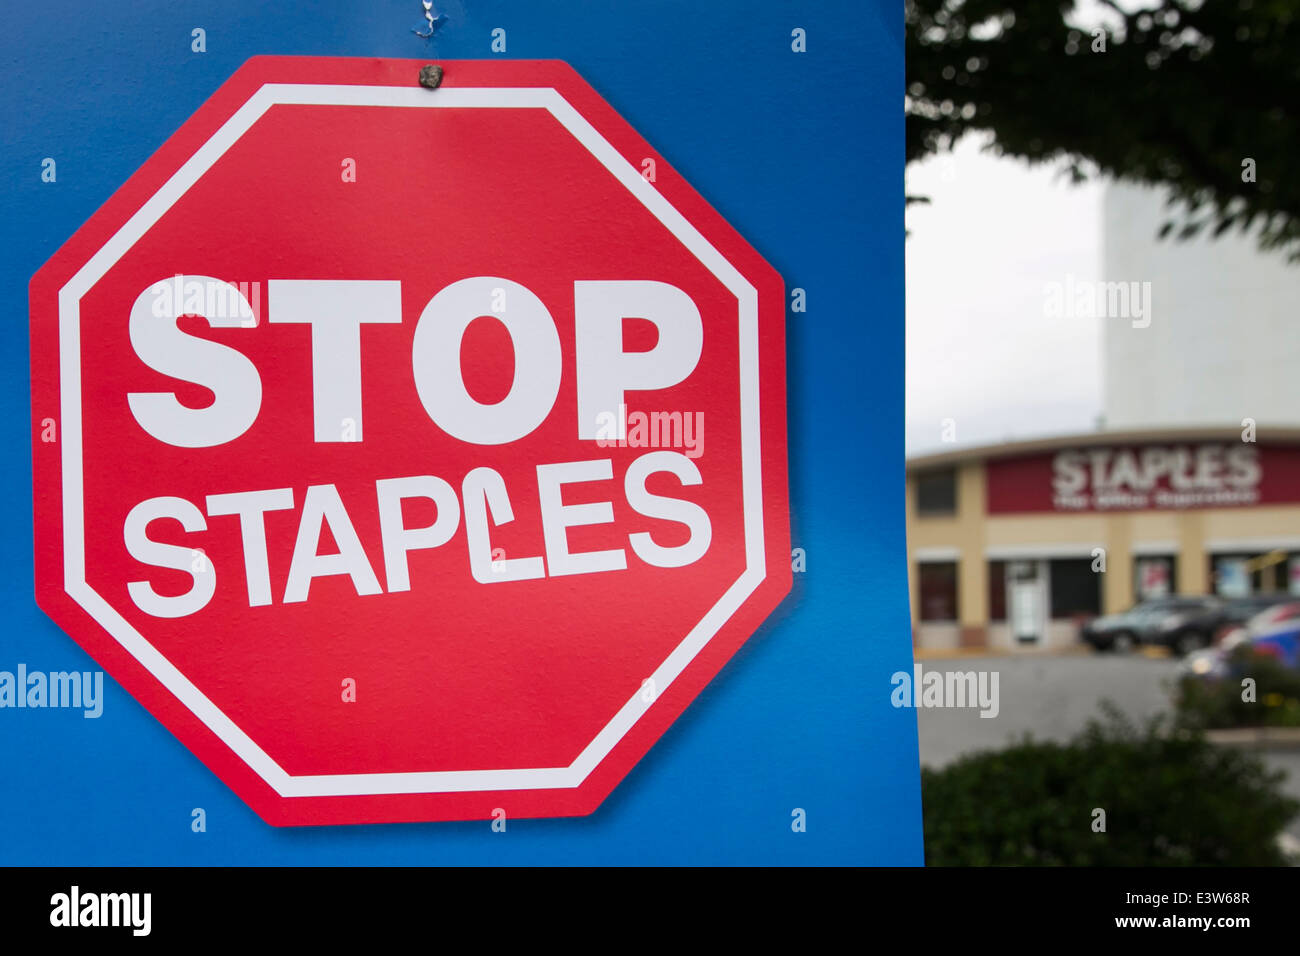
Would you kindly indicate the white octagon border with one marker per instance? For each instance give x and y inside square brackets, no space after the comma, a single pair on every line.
[444,781]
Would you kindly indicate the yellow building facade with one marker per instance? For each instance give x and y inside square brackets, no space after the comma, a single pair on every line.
[1010,548]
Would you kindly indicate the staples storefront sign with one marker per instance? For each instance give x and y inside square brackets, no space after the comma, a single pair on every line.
[1143,477]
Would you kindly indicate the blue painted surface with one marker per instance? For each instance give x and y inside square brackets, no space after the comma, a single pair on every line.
[802,153]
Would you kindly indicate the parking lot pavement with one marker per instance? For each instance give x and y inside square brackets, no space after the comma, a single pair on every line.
[1050,698]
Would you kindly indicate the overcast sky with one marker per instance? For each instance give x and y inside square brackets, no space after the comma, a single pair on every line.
[980,347]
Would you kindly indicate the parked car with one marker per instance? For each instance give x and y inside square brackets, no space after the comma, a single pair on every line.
[1181,623]
[1123,631]
[1250,614]
[1275,631]
[1241,610]
[1188,625]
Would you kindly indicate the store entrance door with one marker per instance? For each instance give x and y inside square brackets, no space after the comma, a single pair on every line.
[1027,601]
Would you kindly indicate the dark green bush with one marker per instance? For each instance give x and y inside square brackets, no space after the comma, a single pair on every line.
[1170,797]
[1218,703]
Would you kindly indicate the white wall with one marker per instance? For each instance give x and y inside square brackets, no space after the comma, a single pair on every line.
[1224,338]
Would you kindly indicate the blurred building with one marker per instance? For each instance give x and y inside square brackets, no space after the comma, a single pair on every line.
[1012,545]
[1222,343]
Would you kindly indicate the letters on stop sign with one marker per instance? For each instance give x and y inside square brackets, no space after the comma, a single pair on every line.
[335,310]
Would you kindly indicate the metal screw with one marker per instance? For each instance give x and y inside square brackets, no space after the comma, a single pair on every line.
[431,76]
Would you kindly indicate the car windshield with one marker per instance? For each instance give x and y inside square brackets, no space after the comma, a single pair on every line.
[1272,613]
[1172,606]
[1152,608]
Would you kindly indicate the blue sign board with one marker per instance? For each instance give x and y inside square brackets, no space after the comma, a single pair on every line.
[789,122]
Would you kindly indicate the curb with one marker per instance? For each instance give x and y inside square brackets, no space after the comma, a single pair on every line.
[1256,737]
[958,653]
[1150,652]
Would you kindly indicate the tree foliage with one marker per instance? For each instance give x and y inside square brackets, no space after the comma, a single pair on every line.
[1181,93]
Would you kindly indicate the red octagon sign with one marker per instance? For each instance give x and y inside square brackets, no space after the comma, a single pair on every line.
[411,454]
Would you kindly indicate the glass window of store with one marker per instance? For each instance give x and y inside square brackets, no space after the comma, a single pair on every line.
[937,584]
[936,493]
[1154,576]
[1075,588]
